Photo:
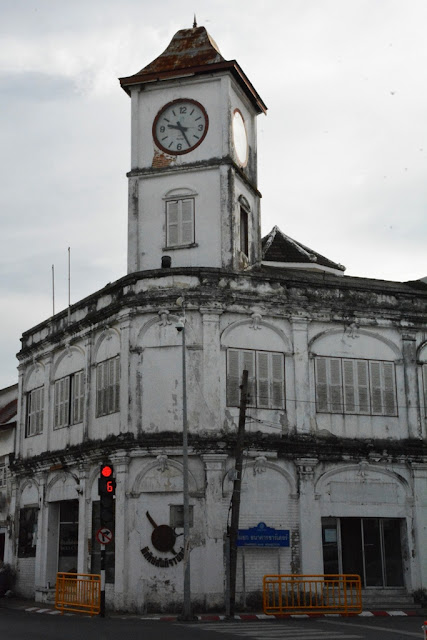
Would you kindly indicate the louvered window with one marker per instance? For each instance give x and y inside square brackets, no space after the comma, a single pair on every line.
[68,400]
[425,388]
[180,222]
[107,386]
[35,412]
[353,386]
[2,474]
[265,378]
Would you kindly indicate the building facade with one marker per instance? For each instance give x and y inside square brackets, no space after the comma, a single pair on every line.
[335,445]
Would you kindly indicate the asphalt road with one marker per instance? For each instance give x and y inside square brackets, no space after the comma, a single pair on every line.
[19,625]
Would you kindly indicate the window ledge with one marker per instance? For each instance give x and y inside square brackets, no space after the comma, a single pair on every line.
[180,246]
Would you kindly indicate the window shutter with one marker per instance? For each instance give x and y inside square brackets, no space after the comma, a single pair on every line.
[233,369]
[277,368]
[321,385]
[187,218]
[56,404]
[66,401]
[116,383]
[172,222]
[363,386]
[425,388]
[263,379]
[376,388]
[349,390]
[100,389]
[77,394]
[389,389]
[335,385]
[249,365]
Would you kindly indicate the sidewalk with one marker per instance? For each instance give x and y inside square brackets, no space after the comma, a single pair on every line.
[30,606]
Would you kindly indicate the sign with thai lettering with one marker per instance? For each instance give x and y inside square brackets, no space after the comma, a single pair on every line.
[263,536]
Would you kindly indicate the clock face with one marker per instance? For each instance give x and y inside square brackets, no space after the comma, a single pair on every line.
[180,126]
[240,138]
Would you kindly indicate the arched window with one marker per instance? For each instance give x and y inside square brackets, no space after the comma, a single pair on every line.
[244,210]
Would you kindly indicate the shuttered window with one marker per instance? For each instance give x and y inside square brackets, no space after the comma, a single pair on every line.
[35,411]
[425,388]
[2,474]
[265,378]
[353,386]
[180,222]
[68,400]
[107,386]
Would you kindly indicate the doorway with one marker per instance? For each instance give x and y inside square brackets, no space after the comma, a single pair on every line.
[369,547]
[68,535]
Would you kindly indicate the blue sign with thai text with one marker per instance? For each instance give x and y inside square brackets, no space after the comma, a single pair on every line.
[263,536]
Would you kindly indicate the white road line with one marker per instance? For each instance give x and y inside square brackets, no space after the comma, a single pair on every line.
[268,631]
[369,626]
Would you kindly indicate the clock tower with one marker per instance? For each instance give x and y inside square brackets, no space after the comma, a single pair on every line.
[193,194]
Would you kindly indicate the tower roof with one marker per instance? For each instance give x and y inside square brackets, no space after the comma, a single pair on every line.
[192,52]
[283,250]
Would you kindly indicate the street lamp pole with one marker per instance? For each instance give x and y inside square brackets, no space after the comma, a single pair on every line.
[186,612]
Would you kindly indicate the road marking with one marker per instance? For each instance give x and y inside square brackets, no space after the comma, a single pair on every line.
[272,631]
[411,634]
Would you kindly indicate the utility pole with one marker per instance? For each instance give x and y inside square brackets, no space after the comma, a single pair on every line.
[235,500]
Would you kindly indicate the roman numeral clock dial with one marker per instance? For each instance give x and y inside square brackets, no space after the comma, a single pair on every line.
[180,126]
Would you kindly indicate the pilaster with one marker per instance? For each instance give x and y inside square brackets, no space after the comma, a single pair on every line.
[215,523]
[125,373]
[211,368]
[419,478]
[303,391]
[310,518]
[411,384]
[121,466]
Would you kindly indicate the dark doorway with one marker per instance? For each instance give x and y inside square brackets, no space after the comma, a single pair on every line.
[369,547]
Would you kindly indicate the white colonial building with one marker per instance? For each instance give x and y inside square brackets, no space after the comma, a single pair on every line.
[335,449]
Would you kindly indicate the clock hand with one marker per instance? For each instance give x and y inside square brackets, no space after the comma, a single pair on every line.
[183,130]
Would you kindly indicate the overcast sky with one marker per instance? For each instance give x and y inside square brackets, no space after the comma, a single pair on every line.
[342,150]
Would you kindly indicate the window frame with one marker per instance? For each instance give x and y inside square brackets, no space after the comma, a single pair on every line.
[36,415]
[28,525]
[107,395]
[181,240]
[3,474]
[374,378]
[250,359]
[68,411]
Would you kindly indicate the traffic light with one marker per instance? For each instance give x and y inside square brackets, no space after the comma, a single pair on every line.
[106,490]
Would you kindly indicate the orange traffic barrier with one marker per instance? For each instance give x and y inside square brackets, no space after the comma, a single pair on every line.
[79,592]
[302,594]
[424,628]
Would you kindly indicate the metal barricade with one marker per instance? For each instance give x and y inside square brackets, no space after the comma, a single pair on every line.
[79,592]
[302,594]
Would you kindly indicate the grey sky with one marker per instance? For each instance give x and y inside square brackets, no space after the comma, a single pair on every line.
[342,150]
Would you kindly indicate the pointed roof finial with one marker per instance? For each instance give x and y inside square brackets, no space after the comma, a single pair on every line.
[195,22]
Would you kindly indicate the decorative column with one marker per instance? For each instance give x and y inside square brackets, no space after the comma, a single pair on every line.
[122,557]
[215,526]
[84,519]
[211,367]
[419,558]
[41,543]
[409,348]
[90,393]
[311,554]
[125,373]
[302,388]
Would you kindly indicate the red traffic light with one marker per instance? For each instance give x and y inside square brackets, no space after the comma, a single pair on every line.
[106,471]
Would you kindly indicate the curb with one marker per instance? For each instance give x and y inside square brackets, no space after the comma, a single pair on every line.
[243,617]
